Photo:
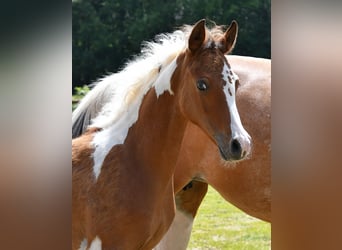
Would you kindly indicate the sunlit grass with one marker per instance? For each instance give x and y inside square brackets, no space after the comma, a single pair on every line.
[219,225]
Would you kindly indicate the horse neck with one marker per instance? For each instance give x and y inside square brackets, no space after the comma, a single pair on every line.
[156,136]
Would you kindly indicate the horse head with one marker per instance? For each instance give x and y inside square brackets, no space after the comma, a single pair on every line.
[208,90]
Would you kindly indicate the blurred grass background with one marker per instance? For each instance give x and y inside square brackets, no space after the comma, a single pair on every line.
[220,225]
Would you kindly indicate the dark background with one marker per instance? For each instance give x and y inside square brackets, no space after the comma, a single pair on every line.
[107,33]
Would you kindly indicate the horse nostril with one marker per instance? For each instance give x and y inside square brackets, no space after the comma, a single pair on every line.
[235,149]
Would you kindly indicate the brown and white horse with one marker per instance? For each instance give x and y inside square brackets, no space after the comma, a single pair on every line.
[246,184]
[123,194]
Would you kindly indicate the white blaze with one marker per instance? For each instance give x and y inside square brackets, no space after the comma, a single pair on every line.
[238,131]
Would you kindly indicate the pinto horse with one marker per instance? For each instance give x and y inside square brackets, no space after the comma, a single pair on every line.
[245,184]
[123,165]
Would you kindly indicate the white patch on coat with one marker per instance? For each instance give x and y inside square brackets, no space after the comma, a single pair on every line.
[128,89]
[238,131]
[116,134]
[163,83]
[83,245]
[96,244]
[178,235]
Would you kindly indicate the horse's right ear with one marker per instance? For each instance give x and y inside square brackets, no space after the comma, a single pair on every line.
[197,36]
[229,38]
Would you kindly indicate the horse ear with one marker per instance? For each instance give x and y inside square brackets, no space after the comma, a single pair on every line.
[229,38]
[197,36]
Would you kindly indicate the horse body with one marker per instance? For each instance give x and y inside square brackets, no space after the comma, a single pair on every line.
[127,194]
[123,195]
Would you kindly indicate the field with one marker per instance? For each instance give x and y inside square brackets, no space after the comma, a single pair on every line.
[219,225]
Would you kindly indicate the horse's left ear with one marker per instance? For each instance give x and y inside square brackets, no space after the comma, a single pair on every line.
[197,36]
[229,38]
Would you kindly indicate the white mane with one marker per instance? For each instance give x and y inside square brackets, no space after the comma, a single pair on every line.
[114,94]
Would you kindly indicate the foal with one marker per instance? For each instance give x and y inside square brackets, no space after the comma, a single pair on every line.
[245,184]
[123,164]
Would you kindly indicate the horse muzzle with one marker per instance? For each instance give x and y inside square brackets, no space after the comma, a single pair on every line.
[234,149]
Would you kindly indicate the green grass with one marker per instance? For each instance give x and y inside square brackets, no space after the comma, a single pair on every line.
[80,92]
[219,225]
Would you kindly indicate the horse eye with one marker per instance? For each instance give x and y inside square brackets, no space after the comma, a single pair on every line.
[202,85]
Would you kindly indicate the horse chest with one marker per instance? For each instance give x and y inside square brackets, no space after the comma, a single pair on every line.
[113,221]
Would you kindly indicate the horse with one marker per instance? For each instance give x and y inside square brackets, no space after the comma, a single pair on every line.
[245,184]
[123,164]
